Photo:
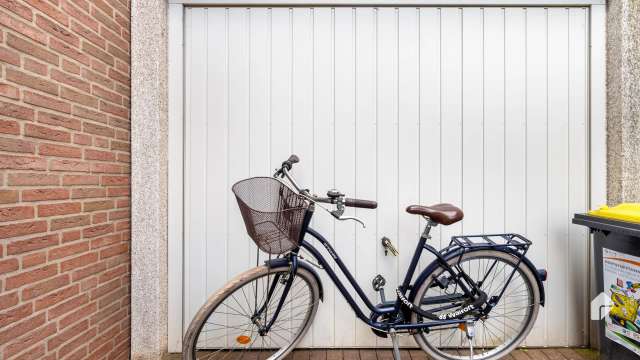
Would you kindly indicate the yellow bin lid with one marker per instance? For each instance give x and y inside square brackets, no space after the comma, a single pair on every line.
[624,212]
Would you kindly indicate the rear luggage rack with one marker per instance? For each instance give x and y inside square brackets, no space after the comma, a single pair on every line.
[493,241]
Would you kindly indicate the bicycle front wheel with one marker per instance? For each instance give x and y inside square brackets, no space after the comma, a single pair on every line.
[495,334]
[231,324]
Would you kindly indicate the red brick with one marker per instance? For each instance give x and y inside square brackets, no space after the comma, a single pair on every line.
[70,222]
[22,28]
[88,34]
[105,241]
[80,261]
[59,209]
[68,250]
[114,38]
[119,77]
[60,151]
[94,77]
[99,218]
[98,205]
[56,30]
[84,193]
[31,276]
[71,236]
[82,313]
[106,94]
[114,250]
[32,49]
[68,50]
[31,81]
[67,334]
[98,129]
[106,168]
[26,228]
[59,120]
[69,165]
[31,179]
[70,67]
[68,306]
[16,111]
[8,300]
[89,270]
[97,53]
[17,8]
[21,328]
[45,194]
[120,146]
[97,230]
[35,66]
[90,154]
[80,180]
[102,142]
[25,342]
[16,314]
[9,126]
[9,91]
[81,340]
[70,80]
[31,260]
[44,287]
[120,191]
[16,213]
[17,145]
[50,11]
[57,297]
[22,162]
[79,15]
[8,196]
[36,243]
[82,139]
[46,102]
[121,123]
[118,53]
[78,97]
[8,265]
[9,56]
[120,214]
[105,20]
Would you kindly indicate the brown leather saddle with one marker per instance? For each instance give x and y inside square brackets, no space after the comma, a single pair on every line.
[444,214]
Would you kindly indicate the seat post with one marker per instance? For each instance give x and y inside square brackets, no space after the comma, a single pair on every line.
[427,228]
[416,255]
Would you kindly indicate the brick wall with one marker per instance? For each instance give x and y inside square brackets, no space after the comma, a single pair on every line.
[64,179]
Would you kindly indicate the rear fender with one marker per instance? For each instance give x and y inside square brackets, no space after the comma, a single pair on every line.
[283,261]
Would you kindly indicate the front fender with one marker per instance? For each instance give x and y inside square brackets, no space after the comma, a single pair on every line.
[283,261]
[457,252]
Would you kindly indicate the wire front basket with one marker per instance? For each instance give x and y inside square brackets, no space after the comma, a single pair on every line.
[273,214]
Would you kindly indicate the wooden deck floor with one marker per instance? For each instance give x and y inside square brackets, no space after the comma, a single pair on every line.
[385,354]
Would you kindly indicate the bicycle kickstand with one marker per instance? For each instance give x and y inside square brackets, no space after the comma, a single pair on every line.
[470,329]
[396,344]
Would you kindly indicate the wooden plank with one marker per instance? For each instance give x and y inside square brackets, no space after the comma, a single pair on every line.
[301,355]
[317,354]
[350,354]
[337,354]
[553,354]
[418,355]
[368,354]
[384,354]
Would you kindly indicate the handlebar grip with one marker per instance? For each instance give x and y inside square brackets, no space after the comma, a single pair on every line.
[367,204]
[293,159]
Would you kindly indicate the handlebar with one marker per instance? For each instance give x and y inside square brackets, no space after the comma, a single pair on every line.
[294,159]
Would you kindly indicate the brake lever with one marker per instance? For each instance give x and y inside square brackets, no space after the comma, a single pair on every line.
[344,218]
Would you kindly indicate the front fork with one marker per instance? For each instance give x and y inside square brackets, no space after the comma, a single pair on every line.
[263,329]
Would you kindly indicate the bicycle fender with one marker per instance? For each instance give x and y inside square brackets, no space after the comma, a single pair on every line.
[301,263]
[457,252]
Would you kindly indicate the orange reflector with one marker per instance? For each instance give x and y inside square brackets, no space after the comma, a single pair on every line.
[243,339]
[462,326]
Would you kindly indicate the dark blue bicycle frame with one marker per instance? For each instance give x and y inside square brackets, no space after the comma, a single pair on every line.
[394,309]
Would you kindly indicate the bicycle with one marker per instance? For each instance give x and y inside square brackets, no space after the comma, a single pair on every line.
[478,299]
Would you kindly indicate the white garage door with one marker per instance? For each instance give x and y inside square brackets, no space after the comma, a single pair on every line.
[481,107]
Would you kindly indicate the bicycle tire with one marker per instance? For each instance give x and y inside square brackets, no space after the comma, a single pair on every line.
[216,300]
[528,278]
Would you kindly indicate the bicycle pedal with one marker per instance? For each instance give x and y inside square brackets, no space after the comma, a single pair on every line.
[388,247]
[378,284]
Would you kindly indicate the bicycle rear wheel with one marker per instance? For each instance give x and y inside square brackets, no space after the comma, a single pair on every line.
[497,333]
[228,325]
